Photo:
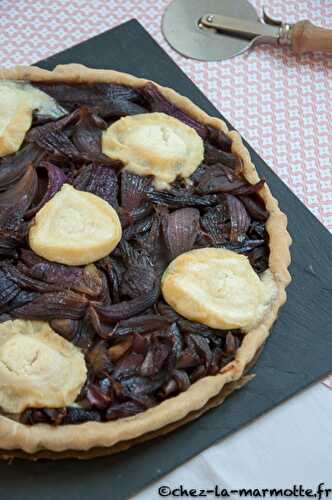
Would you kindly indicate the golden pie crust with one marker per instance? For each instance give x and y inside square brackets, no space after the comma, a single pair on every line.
[94,435]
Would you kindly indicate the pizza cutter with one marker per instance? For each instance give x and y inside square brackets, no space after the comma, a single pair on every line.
[211,30]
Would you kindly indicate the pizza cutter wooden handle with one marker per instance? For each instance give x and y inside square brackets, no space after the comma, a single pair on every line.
[306,37]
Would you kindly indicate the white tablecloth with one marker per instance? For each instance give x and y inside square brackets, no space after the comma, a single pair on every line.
[291,444]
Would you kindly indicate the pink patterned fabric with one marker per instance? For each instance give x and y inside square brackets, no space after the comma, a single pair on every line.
[280,103]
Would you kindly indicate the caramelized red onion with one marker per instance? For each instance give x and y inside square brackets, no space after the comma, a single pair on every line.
[49,306]
[13,167]
[133,190]
[157,102]
[11,239]
[214,155]
[219,139]
[53,136]
[50,180]
[239,218]
[59,416]
[128,308]
[178,198]
[87,135]
[77,332]
[99,179]
[19,195]
[140,324]
[180,230]
[131,216]
[106,99]
[213,222]
[61,276]
[254,207]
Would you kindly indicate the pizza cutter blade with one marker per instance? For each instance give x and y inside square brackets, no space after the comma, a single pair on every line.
[183,30]
[212,30]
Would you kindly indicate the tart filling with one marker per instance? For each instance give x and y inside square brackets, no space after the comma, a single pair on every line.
[75,228]
[154,144]
[218,288]
[38,368]
[154,201]
[18,100]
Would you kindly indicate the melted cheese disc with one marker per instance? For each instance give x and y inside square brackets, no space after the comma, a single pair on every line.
[75,228]
[218,288]
[17,102]
[154,144]
[38,368]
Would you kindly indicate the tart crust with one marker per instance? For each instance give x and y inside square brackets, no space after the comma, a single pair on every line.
[88,436]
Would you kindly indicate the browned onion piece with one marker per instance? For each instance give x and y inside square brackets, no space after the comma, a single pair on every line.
[126,309]
[219,139]
[75,278]
[58,416]
[140,324]
[99,359]
[178,198]
[128,217]
[113,272]
[19,195]
[53,137]
[240,220]
[249,188]
[125,409]
[12,234]
[87,135]
[167,312]
[159,103]
[107,99]
[180,230]
[135,231]
[202,348]
[47,187]
[213,223]
[76,331]
[259,259]
[14,166]
[100,180]
[55,305]
[211,183]
[254,207]
[213,155]
[133,189]
[182,380]
[118,350]
[128,365]
[139,277]
[27,282]
[8,288]
[155,358]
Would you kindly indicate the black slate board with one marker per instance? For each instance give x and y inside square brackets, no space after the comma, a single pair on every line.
[298,353]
